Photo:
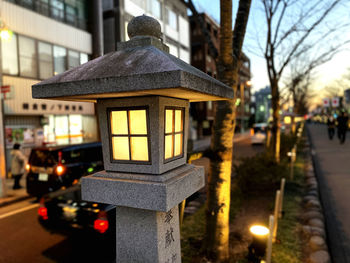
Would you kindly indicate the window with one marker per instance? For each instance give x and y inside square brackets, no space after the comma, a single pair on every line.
[174,131]
[73,59]
[83,58]
[71,14]
[9,55]
[42,6]
[155,9]
[59,54]
[172,19]
[45,60]
[27,57]
[36,59]
[57,9]
[129,135]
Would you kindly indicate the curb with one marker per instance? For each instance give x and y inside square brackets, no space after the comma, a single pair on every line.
[314,226]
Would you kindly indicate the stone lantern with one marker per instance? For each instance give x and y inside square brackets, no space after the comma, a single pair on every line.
[142,94]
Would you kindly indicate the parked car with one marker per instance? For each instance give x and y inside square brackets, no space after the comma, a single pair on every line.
[50,168]
[64,212]
[258,133]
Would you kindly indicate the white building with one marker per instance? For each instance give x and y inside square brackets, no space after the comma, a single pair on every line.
[49,37]
[172,15]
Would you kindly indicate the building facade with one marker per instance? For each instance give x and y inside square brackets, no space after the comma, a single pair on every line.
[171,14]
[49,37]
[262,105]
[203,113]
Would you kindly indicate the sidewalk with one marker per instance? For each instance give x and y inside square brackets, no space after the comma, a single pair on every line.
[13,196]
[332,167]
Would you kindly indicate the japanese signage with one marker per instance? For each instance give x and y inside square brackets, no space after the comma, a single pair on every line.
[326,102]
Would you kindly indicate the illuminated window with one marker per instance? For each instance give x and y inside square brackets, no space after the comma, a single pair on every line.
[174,133]
[129,135]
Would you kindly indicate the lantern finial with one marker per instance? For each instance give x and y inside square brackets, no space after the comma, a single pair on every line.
[144,26]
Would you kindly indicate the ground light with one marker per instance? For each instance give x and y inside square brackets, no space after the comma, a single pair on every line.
[257,248]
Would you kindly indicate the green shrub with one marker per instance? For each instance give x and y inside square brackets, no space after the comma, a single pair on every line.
[260,173]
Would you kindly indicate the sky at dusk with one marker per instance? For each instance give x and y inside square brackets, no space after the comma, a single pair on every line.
[325,75]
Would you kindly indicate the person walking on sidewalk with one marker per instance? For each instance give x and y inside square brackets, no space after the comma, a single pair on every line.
[331,126]
[342,126]
[17,165]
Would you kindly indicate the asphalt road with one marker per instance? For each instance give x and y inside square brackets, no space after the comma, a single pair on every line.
[22,239]
[332,167]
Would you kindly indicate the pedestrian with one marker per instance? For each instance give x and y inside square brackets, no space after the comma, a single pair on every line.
[342,126]
[331,126]
[17,165]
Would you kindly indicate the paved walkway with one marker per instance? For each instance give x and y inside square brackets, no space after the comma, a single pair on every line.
[14,195]
[332,166]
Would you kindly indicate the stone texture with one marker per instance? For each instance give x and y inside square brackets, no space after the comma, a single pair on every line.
[156,111]
[312,187]
[313,214]
[313,192]
[309,198]
[320,256]
[144,26]
[317,243]
[316,222]
[313,231]
[313,203]
[147,236]
[144,194]
[310,174]
[311,181]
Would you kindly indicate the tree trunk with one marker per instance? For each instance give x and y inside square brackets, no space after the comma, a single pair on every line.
[219,181]
[276,130]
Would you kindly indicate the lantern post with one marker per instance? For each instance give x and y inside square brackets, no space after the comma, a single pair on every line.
[142,94]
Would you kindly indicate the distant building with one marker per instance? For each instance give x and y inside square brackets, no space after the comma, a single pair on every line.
[262,104]
[171,14]
[203,112]
[49,37]
[346,100]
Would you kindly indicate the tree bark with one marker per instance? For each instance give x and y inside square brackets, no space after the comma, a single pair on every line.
[276,131]
[219,181]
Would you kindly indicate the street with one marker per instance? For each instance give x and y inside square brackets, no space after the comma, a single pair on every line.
[332,166]
[23,239]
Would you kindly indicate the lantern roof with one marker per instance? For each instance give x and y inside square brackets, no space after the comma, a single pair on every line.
[141,66]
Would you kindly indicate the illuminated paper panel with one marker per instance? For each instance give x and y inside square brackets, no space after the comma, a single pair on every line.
[138,124]
[169,147]
[139,148]
[168,121]
[120,148]
[178,144]
[119,122]
[178,121]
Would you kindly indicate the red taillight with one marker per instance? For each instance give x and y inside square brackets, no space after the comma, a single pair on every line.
[42,211]
[101,225]
[60,169]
